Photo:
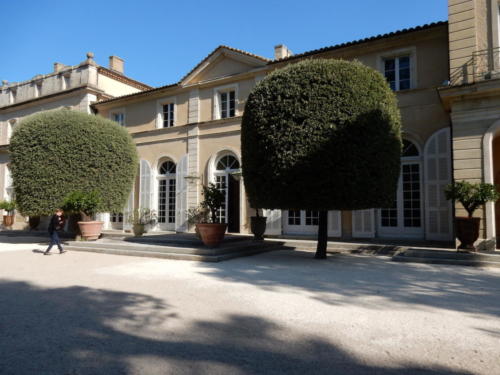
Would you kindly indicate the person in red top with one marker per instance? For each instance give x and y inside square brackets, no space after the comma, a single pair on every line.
[56,225]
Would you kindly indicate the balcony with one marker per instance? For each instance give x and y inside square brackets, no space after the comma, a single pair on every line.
[483,65]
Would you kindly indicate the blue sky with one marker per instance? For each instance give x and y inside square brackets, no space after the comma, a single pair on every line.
[162,40]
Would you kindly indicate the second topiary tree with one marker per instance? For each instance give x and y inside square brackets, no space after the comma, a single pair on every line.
[321,135]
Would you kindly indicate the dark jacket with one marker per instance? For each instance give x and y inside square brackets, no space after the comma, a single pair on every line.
[56,223]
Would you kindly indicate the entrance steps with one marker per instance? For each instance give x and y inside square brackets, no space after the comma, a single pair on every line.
[450,257]
[179,249]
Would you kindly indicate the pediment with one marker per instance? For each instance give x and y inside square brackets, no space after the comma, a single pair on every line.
[223,62]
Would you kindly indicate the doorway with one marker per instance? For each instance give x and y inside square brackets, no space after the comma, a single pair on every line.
[166,196]
[496,181]
[225,180]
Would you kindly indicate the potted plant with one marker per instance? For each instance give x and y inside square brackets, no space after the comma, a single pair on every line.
[9,207]
[258,225]
[196,215]
[212,233]
[85,204]
[471,196]
[141,217]
[34,222]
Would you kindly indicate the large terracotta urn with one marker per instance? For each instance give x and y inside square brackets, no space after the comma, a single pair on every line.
[91,230]
[212,234]
[8,220]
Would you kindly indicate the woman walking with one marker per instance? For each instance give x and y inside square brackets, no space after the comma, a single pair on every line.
[56,224]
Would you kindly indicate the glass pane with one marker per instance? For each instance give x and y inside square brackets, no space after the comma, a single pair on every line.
[409,149]
[411,195]
[404,85]
[389,64]
[404,62]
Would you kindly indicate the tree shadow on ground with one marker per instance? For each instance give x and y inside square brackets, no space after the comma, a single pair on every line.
[342,278]
[78,331]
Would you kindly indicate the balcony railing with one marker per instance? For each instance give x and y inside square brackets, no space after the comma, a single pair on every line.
[486,64]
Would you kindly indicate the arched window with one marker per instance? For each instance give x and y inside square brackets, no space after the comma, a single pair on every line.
[409,149]
[167,167]
[404,217]
[166,195]
[227,162]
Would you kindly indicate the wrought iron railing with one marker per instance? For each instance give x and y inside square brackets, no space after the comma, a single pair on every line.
[486,64]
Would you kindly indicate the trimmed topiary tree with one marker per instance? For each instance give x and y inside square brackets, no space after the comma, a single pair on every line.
[58,152]
[321,135]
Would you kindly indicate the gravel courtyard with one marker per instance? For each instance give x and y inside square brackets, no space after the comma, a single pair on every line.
[274,313]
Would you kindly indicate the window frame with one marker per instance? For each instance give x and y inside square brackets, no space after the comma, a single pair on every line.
[411,52]
[217,107]
[160,115]
[117,111]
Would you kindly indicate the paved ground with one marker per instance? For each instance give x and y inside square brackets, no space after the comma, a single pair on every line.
[276,313]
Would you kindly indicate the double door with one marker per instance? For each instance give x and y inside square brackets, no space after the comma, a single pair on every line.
[166,203]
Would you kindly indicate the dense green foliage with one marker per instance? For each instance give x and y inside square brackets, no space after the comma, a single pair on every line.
[8,206]
[213,199]
[321,134]
[471,195]
[58,152]
[79,202]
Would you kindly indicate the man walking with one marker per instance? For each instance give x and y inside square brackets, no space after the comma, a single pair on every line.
[56,224]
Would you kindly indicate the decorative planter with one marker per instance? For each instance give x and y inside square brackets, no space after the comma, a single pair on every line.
[258,227]
[91,230]
[212,234]
[34,222]
[138,229]
[467,231]
[8,220]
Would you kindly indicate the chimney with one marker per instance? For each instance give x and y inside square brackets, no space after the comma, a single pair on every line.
[281,51]
[58,67]
[116,64]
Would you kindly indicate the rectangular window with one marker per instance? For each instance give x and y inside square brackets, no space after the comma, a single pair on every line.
[397,72]
[227,104]
[293,217]
[312,217]
[119,118]
[168,115]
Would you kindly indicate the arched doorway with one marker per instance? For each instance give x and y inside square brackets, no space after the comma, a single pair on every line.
[225,179]
[166,195]
[404,218]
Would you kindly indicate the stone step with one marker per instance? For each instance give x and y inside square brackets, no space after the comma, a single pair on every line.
[413,255]
[169,252]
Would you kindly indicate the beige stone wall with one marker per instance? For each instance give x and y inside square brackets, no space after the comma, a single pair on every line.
[113,87]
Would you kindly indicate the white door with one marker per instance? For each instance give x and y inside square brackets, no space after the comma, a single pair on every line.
[166,180]
[363,223]
[305,222]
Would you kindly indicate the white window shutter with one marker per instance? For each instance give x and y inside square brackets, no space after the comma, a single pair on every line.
[146,188]
[129,211]
[363,223]
[438,210]
[181,195]
[334,224]
[273,222]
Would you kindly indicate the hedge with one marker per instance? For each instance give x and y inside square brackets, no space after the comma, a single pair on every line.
[321,134]
[57,152]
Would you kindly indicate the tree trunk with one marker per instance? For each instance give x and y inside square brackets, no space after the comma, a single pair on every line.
[322,235]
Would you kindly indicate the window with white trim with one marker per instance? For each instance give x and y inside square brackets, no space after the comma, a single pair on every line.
[227,100]
[118,117]
[397,71]
[168,115]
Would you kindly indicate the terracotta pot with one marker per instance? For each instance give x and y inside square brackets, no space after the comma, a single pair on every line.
[91,230]
[258,227]
[8,220]
[34,222]
[138,229]
[467,231]
[212,234]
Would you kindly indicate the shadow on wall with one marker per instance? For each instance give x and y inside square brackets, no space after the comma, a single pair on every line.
[80,331]
[343,279]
